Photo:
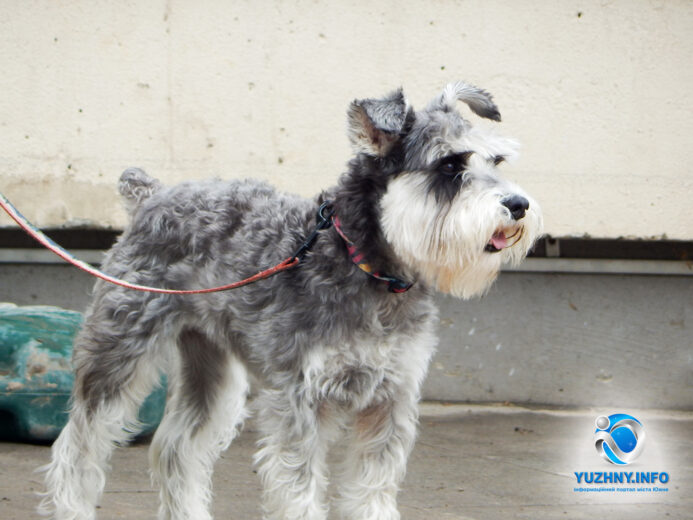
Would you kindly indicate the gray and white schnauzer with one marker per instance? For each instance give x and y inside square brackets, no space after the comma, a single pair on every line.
[339,344]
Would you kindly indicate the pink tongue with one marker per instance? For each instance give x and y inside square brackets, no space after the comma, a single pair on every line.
[498,240]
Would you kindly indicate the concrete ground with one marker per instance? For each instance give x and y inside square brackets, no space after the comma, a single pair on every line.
[470,462]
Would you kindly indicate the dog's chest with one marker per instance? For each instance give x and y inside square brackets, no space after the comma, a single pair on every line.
[353,372]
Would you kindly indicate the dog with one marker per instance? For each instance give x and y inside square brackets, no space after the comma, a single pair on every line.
[339,344]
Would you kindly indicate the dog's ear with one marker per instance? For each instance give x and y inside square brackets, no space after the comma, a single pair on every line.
[480,101]
[375,125]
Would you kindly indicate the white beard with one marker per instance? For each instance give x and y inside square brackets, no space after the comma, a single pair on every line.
[445,243]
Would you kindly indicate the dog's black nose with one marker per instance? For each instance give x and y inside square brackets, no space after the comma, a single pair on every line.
[517,205]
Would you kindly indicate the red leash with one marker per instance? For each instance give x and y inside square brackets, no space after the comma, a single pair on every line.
[38,235]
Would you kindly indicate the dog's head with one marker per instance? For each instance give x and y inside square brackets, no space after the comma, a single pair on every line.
[444,209]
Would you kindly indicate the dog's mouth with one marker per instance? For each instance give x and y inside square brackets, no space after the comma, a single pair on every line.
[503,238]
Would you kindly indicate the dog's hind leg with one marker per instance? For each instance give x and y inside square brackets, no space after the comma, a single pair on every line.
[114,374]
[208,387]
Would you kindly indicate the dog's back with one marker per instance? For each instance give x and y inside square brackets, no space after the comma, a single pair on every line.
[184,236]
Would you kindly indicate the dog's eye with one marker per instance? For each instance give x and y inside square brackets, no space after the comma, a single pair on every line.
[498,159]
[449,168]
[453,164]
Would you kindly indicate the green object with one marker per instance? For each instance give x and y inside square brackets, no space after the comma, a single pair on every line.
[36,373]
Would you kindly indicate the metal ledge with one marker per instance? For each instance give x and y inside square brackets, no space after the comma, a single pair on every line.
[603,266]
[530,265]
[43,256]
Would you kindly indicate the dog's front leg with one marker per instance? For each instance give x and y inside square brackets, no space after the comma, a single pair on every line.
[291,459]
[381,440]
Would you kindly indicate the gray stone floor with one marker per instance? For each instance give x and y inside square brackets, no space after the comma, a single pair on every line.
[470,462]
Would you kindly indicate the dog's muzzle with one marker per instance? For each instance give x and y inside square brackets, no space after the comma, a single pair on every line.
[501,238]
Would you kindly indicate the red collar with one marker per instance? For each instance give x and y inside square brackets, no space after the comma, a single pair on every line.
[394,285]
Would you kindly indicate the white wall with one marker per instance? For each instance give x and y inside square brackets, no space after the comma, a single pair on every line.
[599,93]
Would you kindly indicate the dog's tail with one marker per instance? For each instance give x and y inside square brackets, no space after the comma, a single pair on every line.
[136,186]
